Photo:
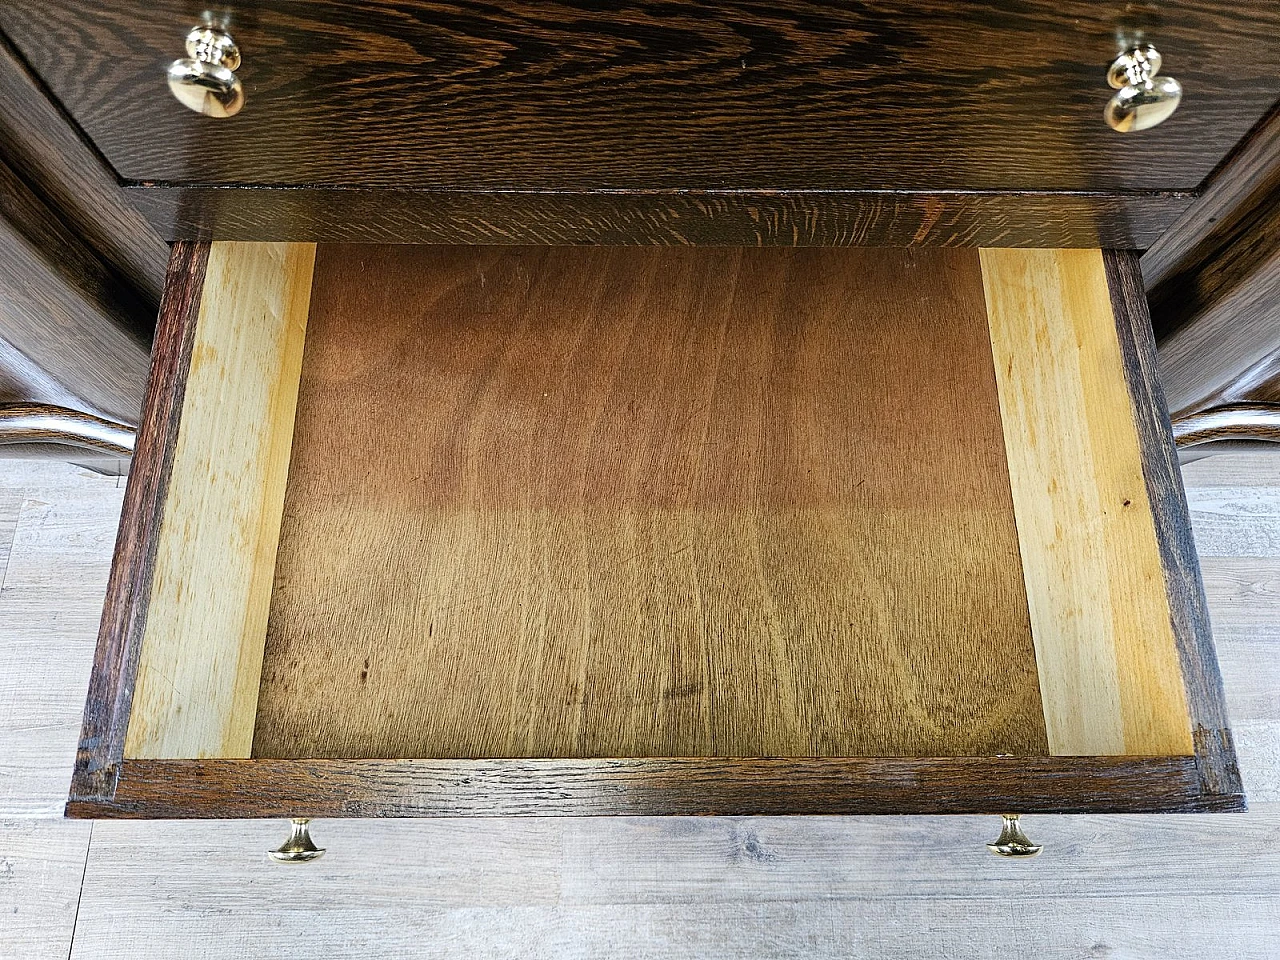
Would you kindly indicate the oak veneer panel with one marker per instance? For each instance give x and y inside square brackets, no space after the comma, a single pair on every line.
[714,217]
[201,655]
[653,786]
[1108,661]
[661,95]
[647,502]
[71,331]
[38,140]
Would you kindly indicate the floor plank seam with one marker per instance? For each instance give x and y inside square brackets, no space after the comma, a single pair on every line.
[84,872]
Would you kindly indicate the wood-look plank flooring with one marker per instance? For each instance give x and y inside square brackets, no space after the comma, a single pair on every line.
[595,502]
[1139,888]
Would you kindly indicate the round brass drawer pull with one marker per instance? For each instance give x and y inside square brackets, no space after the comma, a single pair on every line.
[204,80]
[1143,99]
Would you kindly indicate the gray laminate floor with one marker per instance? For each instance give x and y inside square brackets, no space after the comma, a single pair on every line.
[1119,887]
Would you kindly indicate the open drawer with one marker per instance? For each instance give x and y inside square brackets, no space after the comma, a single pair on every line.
[418,530]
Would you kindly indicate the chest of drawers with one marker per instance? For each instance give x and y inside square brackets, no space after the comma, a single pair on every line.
[671,409]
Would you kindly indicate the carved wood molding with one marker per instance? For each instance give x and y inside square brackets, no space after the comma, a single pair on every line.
[1229,422]
[44,423]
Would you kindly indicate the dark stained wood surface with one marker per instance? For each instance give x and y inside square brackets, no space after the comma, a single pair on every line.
[724,217]
[43,146]
[652,787]
[26,423]
[1214,285]
[106,712]
[797,94]
[1211,727]
[547,119]
[1234,423]
[73,333]
[80,278]
[550,502]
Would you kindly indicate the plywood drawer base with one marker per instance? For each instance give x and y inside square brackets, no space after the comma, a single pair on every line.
[422,530]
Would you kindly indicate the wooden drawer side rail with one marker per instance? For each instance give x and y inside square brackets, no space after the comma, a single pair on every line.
[1188,607]
[1109,672]
[201,657]
[115,664]
[180,647]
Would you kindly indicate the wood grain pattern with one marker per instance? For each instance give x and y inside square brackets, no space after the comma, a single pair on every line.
[672,95]
[201,658]
[42,866]
[1243,592]
[1173,927]
[655,786]
[1214,282]
[72,333]
[40,423]
[352,787]
[40,142]
[1235,520]
[1188,608]
[1231,421]
[124,614]
[1109,670]
[62,527]
[647,502]
[1187,455]
[491,867]
[717,217]
[822,888]
[682,887]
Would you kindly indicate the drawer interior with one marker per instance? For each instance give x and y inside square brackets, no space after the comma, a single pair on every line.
[471,502]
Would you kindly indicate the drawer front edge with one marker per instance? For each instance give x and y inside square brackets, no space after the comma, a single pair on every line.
[656,786]
[718,217]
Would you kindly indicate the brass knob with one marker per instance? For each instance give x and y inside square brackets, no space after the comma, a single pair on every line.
[299,848]
[1012,842]
[205,80]
[1143,99]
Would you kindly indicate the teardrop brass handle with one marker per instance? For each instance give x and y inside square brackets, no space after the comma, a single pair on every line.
[1143,99]
[205,80]
[1012,842]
